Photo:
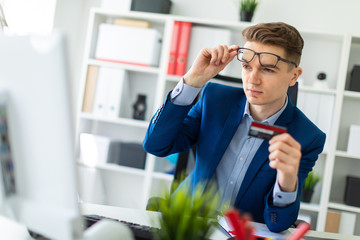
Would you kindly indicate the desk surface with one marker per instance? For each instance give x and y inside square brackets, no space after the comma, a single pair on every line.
[150,219]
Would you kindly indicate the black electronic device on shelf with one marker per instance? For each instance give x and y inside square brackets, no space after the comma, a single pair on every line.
[352,194]
[355,79]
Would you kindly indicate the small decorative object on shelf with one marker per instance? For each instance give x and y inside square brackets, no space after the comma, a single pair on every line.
[139,107]
[321,81]
[247,9]
[308,188]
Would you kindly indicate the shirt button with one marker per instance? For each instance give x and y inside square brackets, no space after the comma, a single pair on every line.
[231,182]
[241,159]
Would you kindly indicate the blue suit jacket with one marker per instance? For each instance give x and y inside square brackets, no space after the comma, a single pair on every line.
[211,123]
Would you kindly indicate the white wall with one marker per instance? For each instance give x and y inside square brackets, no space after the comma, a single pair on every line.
[320,15]
[323,15]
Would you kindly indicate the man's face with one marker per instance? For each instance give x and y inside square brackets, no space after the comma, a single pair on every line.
[267,86]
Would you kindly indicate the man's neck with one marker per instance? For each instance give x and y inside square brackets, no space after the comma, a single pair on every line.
[263,112]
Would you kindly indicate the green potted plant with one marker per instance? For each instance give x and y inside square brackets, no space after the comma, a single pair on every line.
[247,9]
[188,215]
[309,185]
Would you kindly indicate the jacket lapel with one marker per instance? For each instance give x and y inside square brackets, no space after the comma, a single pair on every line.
[261,156]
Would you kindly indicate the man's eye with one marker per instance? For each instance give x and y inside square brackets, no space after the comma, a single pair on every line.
[269,70]
[246,66]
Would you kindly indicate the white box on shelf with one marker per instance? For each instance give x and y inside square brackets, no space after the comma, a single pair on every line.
[354,140]
[130,45]
[93,149]
[116,5]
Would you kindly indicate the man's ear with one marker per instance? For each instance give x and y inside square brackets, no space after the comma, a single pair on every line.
[296,72]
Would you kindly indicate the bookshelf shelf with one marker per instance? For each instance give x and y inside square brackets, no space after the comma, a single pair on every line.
[115,168]
[344,207]
[163,176]
[317,90]
[122,121]
[352,94]
[310,207]
[128,67]
[346,155]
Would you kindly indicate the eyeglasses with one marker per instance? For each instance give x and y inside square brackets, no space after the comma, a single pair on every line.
[265,59]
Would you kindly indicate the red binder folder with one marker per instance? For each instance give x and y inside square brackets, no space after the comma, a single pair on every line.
[174,48]
[184,40]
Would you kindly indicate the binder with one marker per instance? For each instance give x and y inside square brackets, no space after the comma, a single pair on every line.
[311,105]
[100,99]
[347,223]
[332,221]
[115,89]
[354,140]
[109,91]
[174,48]
[325,115]
[184,39]
[90,88]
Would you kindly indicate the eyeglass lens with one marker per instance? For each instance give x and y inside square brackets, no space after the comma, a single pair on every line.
[266,59]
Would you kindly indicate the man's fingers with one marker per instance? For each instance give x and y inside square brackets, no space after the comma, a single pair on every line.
[285,137]
[285,148]
[225,56]
[214,56]
[281,166]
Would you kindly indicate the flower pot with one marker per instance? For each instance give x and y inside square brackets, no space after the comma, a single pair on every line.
[306,195]
[246,16]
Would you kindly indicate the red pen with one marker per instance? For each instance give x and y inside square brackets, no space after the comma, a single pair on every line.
[299,232]
[242,229]
[235,220]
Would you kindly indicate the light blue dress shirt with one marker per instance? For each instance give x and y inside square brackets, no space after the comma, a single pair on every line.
[232,168]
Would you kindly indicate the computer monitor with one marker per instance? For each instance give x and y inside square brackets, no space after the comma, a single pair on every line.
[35,100]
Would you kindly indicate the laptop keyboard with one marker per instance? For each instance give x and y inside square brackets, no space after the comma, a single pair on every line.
[141,232]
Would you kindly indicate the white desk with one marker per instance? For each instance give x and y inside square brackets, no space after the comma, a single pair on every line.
[150,219]
[14,231]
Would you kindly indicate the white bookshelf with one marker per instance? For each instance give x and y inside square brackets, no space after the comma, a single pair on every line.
[333,53]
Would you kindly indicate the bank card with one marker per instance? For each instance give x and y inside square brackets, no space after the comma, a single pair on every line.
[265,131]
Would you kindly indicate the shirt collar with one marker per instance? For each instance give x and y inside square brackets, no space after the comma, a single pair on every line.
[272,119]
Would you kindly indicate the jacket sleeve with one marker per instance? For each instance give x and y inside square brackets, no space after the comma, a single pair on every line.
[173,128]
[279,219]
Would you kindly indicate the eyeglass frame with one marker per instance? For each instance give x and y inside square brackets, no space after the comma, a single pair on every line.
[258,54]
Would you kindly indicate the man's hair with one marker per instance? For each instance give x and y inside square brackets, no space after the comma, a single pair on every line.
[277,34]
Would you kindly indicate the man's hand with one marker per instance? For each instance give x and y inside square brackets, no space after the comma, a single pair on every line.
[208,63]
[285,155]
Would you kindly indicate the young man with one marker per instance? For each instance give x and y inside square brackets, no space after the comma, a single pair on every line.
[263,178]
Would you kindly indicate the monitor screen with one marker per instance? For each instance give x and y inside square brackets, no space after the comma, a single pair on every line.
[39,185]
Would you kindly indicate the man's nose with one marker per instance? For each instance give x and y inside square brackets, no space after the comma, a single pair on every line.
[255,75]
